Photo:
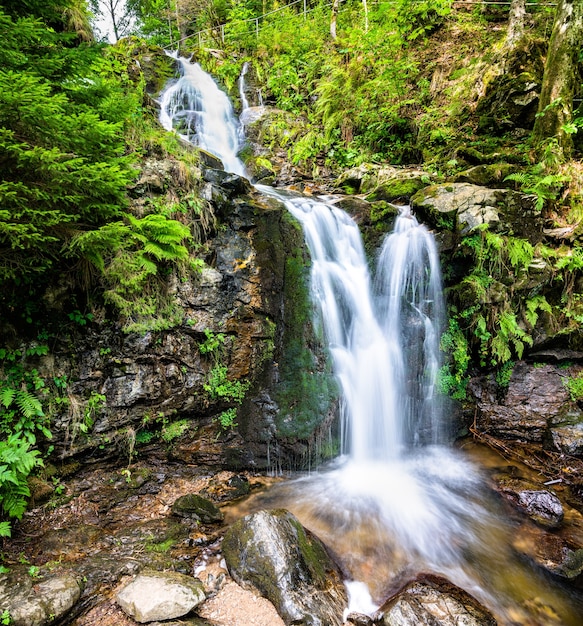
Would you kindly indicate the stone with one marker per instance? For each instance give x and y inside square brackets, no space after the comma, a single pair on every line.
[273,553]
[397,189]
[536,396]
[34,602]
[194,506]
[463,207]
[434,600]
[568,439]
[560,557]
[542,506]
[488,175]
[155,596]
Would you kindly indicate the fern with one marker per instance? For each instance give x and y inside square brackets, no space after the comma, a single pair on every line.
[509,335]
[17,461]
[520,252]
[544,187]
[533,306]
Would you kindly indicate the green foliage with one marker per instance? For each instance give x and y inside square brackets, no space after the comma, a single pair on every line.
[504,374]
[5,617]
[173,430]
[129,255]
[213,342]
[453,376]
[545,186]
[219,387]
[21,410]
[574,386]
[63,161]
[17,461]
[227,420]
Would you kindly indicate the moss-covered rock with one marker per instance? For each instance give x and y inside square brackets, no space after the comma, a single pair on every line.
[273,553]
[194,506]
[397,189]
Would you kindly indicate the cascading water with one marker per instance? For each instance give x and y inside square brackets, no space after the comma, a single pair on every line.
[201,113]
[390,507]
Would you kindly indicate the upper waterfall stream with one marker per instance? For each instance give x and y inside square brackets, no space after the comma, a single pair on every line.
[398,501]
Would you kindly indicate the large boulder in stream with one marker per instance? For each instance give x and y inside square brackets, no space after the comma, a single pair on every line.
[273,553]
[436,601]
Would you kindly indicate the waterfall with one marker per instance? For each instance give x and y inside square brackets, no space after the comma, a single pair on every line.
[382,337]
[241,82]
[201,113]
[395,503]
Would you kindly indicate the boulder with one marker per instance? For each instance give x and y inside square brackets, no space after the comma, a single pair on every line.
[436,601]
[155,596]
[536,397]
[273,553]
[488,175]
[397,189]
[463,207]
[568,439]
[194,506]
[34,602]
[541,505]
[561,557]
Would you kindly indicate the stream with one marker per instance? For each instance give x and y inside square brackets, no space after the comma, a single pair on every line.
[399,500]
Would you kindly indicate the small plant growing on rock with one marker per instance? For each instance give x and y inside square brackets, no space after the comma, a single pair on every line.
[574,386]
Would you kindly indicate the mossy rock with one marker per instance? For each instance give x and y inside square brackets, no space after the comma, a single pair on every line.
[396,189]
[197,507]
[270,551]
[488,175]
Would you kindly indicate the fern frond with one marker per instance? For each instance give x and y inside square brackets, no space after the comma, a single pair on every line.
[28,404]
[7,396]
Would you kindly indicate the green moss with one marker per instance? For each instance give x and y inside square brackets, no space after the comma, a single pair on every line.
[306,389]
[397,188]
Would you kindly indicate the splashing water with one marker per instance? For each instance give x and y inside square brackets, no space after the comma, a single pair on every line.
[396,503]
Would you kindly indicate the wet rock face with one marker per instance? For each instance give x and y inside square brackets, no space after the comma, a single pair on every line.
[140,383]
[273,553]
[160,596]
[436,601]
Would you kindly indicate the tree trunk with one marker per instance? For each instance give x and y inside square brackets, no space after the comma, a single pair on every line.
[516,18]
[333,17]
[560,78]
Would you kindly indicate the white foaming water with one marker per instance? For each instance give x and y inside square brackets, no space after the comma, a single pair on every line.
[201,113]
[392,506]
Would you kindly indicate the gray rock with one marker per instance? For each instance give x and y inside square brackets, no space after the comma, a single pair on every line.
[536,397]
[194,506]
[542,506]
[568,439]
[273,553]
[33,602]
[463,207]
[435,601]
[160,596]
